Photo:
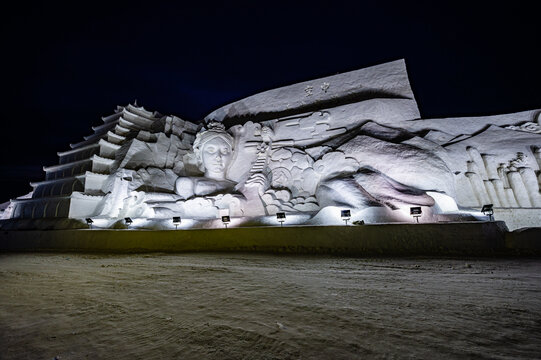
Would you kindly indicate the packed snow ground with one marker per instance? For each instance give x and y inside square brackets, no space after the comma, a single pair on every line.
[233,306]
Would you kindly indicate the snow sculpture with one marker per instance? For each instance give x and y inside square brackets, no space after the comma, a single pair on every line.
[350,141]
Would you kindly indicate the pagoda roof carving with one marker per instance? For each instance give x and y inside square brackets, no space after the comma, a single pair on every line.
[111,117]
[91,139]
[104,127]
[73,151]
[96,175]
[41,199]
[115,138]
[102,160]
[111,145]
[66,165]
[80,195]
[138,121]
[127,124]
[141,111]
[52,181]
[121,130]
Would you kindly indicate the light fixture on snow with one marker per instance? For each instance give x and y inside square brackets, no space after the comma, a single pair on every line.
[488,210]
[128,221]
[416,212]
[281,217]
[176,221]
[89,222]
[226,220]
[345,215]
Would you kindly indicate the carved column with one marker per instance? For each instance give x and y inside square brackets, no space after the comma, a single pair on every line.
[519,189]
[503,176]
[491,166]
[491,193]
[476,158]
[472,167]
[530,183]
[511,197]
[478,188]
[537,155]
[500,191]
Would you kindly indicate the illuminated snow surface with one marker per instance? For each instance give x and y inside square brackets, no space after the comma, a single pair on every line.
[233,306]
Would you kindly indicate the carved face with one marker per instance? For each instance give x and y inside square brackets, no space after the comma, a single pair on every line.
[216,156]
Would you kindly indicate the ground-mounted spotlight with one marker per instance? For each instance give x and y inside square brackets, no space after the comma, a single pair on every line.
[488,210]
[128,221]
[89,222]
[281,217]
[176,221]
[416,212]
[345,215]
[226,220]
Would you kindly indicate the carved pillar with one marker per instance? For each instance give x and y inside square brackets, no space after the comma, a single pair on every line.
[492,193]
[530,183]
[503,176]
[476,158]
[473,167]
[491,166]
[537,155]
[478,188]
[519,189]
[511,197]
[500,191]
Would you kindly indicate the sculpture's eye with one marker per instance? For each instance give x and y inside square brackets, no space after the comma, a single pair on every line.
[210,149]
[225,150]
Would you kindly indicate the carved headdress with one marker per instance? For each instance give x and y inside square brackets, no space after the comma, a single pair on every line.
[213,130]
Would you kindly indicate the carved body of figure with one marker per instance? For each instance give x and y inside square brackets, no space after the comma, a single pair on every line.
[213,149]
[367,188]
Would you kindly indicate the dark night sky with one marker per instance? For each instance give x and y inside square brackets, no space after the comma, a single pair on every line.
[67,65]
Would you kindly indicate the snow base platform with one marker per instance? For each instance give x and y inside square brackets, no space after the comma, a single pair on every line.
[441,239]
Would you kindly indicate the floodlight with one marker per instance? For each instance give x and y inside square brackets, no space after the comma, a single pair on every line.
[226,220]
[488,210]
[345,215]
[281,217]
[176,221]
[89,222]
[416,212]
[128,221]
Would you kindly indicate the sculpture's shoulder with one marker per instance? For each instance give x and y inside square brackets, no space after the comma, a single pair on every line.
[184,186]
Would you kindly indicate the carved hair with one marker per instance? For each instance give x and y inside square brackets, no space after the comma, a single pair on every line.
[214,130]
